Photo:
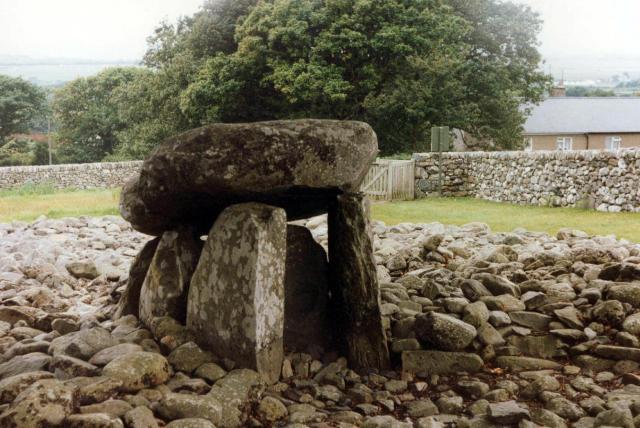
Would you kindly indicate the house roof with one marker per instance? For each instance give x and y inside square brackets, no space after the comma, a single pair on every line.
[582,115]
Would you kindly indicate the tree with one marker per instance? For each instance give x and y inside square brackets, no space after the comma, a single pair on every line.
[87,116]
[21,103]
[401,65]
[386,63]
[150,105]
[501,72]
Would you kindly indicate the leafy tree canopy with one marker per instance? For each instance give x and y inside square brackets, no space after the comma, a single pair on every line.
[87,115]
[400,65]
[21,103]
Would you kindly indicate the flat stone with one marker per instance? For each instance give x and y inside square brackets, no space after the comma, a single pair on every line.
[570,317]
[593,363]
[83,344]
[190,423]
[385,421]
[140,417]
[507,413]
[165,287]
[47,402]
[618,352]
[210,372]
[271,409]
[474,289]
[504,302]
[178,406]
[138,370]
[95,389]
[476,314]
[444,331]
[33,362]
[525,363]
[13,314]
[628,293]
[236,297]
[439,362]
[297,165]
[631,324]
[66,367]
[489,335]
[85,269]
[497,285]
[421,408]
[10,387]
[188,357]
[533,320]
[232,392]
[93,420]
[104,357]
[536,346]
[114,408]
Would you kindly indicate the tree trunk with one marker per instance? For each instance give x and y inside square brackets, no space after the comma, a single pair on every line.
[354,284]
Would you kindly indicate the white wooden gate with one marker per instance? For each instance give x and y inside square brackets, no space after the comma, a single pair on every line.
[390,180]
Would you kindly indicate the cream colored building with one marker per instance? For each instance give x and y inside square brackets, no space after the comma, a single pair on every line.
[584,123]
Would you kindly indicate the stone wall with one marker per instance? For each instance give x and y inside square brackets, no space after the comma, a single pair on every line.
[606,181]
[82,176]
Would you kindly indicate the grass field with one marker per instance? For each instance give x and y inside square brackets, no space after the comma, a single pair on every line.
[30,202]
[506,217]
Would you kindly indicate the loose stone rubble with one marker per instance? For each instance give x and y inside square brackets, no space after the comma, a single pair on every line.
[556,341]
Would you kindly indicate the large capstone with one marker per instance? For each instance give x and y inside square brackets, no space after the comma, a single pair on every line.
[306,290]
[165,288]
[236,298]
[298,165]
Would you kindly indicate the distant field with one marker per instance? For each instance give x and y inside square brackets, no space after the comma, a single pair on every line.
[506,217]
[28,203]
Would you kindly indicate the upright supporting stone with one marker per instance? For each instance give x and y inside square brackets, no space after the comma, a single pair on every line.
[354,283]
[165,288]
[129,302]
[236,298]
[306,284]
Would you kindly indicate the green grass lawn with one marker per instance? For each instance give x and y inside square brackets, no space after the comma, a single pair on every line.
[506,217]
[28,203]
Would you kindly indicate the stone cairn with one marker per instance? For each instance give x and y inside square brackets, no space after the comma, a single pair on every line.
[257,285]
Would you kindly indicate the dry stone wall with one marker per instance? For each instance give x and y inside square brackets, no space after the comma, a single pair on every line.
[82,176]
[606,181]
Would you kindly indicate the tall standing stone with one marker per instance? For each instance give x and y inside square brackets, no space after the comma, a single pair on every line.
[306,290]
[165,288]
[236,298]
[129,302]
[354,283]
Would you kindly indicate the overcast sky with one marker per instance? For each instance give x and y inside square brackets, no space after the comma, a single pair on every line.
[117,29]
[90,29]
[589,27]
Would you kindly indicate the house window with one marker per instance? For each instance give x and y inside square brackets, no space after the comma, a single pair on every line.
[528,144]
[613,143]
[564,143]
